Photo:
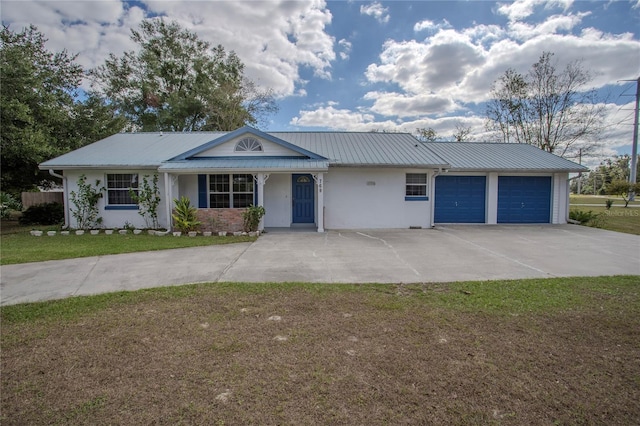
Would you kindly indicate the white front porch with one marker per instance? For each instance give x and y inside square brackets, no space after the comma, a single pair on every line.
[275,191]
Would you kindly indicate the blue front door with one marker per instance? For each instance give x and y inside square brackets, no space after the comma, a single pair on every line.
[303,198]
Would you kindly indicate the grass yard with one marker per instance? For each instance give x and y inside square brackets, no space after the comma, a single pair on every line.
[600,199]
[556,351]
[618,219]
[18,246]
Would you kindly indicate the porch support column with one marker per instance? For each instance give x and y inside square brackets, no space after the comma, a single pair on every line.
[261,179]
[319,178]
[168,198]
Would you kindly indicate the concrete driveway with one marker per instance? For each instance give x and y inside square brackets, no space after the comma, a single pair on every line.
[448,253]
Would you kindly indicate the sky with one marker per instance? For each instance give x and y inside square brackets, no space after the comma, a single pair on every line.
[375,65]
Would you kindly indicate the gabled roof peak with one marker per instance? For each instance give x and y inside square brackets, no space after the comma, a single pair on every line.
[246,130]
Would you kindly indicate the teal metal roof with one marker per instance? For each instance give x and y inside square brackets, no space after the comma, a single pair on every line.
[479,156]
[147,150]
[171,152]
[366,149]
[263,164]
[142,150]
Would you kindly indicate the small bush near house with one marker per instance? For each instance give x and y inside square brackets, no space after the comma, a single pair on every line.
[581,216]
[252,217]
[43,214]
[185,218]
[608,203]
[8,203]
[589,218]
[85,201]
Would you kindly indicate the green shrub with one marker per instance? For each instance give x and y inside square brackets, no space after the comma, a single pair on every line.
[589,218]
[581,216]
[185,218]
[8,203]
[85,201]
[252,216]
[148,199]
[608,203]
[43,214]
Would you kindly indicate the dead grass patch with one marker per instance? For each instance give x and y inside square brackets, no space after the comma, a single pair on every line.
[217,354]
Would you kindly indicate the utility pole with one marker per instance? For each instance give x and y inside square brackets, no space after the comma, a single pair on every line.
[580,174]
[634,149]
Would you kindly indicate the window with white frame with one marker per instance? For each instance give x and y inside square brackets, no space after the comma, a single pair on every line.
[230,191]
[119,188]
[416,185]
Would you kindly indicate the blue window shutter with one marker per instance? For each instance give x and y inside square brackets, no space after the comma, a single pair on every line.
[255,193]
[202,191]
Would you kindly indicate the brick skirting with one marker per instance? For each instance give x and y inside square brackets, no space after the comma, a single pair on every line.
[216,220]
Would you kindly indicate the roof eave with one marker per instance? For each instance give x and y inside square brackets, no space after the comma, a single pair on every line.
[217,170]
[45,166]
[391,166]
[512,170]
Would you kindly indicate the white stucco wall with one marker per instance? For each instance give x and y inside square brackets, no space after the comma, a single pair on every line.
[188,187]
[111,218]
[353,198]
[277,201]
[560,203]
[371,198]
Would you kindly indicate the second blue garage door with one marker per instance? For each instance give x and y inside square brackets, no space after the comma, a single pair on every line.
[524,199]
[460,199]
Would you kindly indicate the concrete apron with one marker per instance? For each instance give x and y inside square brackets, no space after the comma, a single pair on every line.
[447,253]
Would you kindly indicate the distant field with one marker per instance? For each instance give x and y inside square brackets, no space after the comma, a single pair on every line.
[617,219]
[600,199]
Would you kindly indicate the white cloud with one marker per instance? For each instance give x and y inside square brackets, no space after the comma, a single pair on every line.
[440,62]
[428,25]
[521,9]
[274,39]
[340,119]
[619,131]
[361,121]
[553,25]
[462,64]
[403,105]
[375,9]
[346,48]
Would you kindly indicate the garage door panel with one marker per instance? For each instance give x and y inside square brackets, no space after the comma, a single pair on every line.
[524,199]
[460,199]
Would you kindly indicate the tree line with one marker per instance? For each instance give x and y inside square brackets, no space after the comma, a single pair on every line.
[173,82]
[611,177]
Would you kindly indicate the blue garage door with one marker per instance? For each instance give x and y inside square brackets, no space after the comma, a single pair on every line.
[460,199]
[524,199]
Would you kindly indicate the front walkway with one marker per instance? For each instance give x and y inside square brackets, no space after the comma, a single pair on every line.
[447,253]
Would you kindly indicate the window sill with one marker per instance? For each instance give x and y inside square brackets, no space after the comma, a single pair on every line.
[127,207]
[416,198]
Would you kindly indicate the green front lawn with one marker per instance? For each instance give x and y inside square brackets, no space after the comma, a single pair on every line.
[18,246]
